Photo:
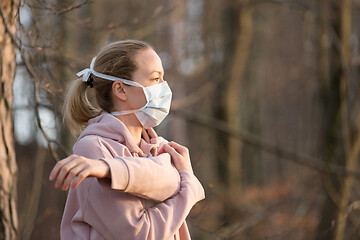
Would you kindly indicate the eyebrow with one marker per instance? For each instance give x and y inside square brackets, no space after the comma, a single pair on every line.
[156,72]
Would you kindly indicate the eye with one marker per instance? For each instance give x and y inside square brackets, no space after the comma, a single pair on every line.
[158,79]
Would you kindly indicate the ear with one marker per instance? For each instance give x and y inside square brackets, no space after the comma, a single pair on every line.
[119,91]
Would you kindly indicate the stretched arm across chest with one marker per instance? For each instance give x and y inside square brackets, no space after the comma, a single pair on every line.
[154,177]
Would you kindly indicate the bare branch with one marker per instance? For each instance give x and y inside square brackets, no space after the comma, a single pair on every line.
[33,75]
[300,158]
[38,120]
[52,9]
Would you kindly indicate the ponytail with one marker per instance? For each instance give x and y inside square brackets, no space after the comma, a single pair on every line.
[116,59]
[77,109]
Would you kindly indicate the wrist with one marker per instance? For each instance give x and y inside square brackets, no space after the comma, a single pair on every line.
[107,171]
[104,169]
[186,169]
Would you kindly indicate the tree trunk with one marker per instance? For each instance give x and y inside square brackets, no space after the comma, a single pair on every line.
[329,75]
[351,147]
[233,101]
[238,31]
[8,168]
[340,145]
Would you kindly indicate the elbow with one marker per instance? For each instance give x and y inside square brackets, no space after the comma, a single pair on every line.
[174,184]
[170,188]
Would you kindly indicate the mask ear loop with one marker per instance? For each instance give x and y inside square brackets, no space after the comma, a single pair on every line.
[86,74]
[125,112]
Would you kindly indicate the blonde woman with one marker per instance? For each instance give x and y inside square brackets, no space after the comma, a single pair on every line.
[126,182]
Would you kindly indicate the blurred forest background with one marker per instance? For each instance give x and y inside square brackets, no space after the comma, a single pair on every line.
[266,97]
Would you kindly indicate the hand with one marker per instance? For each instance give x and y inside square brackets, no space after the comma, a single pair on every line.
[179,155]
[148,134]
[75,169]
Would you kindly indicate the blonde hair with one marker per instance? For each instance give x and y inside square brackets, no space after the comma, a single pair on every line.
[115,59]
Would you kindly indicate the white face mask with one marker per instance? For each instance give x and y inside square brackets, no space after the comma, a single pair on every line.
[158,98]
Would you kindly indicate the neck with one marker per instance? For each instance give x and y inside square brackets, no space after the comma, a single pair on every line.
[134,126]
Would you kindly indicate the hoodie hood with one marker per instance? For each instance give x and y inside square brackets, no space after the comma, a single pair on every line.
[107,126]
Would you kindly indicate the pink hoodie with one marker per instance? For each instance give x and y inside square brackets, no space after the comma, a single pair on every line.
[145,197]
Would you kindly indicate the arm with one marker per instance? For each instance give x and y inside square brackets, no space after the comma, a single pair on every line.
[155,177]
[135,175]
[143,174]
[131,221]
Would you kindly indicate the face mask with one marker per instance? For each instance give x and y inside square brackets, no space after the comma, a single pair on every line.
[158,98]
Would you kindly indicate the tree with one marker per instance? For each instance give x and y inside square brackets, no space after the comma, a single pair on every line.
[8,168]
[341,142]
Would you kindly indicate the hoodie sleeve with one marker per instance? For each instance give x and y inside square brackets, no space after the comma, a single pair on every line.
[155,177]
[161,221]
[152,178]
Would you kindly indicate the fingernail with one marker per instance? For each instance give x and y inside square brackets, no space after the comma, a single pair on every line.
[56,185]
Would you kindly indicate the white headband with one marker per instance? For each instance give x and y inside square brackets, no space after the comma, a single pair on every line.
[87,71]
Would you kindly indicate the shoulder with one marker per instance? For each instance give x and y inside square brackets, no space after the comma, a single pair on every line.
[91,146]
[88,141]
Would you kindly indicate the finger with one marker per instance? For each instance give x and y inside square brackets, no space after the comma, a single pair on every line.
[145,135]
[54,172]
[80,177]
[173,153]
[71,175]
[152,133]
[179,148]
[161,150]
[141,153]
[64,171]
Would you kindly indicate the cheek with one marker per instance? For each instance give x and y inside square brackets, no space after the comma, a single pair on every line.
[136,97]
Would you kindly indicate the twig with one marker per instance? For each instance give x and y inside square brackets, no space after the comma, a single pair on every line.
[242,224]
[112,26]
[300,158]
[33,75]
[38,120]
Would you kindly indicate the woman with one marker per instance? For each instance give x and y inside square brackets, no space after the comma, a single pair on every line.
[123,183]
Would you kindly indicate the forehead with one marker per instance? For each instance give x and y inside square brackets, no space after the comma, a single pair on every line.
[148,61]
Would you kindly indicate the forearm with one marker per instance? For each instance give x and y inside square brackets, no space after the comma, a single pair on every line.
[153,178]
[128,217]
[166,218]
